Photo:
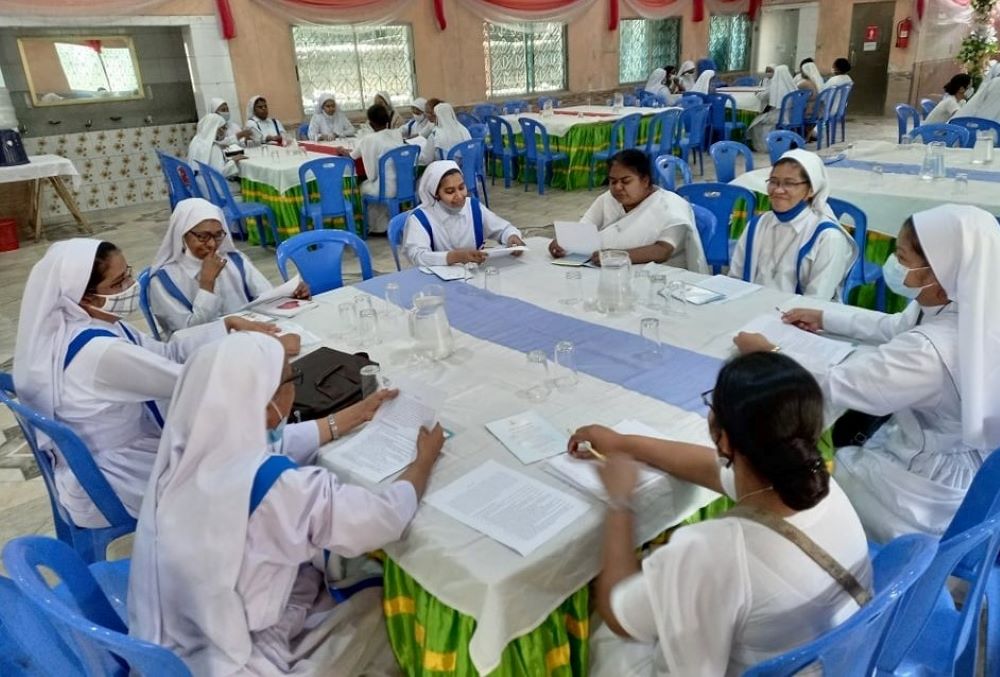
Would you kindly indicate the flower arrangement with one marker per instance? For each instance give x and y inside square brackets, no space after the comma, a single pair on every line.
[981,42]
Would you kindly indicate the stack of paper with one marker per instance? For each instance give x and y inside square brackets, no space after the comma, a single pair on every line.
[278,302]
[495,252]
[529,436]
[446,273]
[583,475]
[718,288]
[509,507]
[285,327]
[814,352]
[580,240]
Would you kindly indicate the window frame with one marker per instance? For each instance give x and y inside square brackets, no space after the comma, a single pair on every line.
[530,77]
[650,63]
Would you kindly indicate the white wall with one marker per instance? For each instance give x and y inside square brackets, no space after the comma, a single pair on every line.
[785,35]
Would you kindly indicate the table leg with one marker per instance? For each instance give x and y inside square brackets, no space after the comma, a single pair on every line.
[67,198]
[35,208]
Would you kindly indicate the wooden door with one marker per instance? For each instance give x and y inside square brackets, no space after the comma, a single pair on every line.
[871,38]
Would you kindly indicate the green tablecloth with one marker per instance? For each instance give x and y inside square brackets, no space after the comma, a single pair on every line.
[286,207]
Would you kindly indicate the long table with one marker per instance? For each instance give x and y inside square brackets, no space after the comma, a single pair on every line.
[456,601]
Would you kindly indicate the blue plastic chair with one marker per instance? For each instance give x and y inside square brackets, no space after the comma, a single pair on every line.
[86,621]
[720,199]
[624,134]
[951,135]
[724,116]
[479,131]
[29,645]
[329,173]
[91,544]
[470,157]
[303,131]
[397,226]
[781,141]
[543,99]
[236,212]
[143,280]
[404,160]
[483,110]
[503,146]
[537,152]
[824,113]
[724,155]
[706,224]
[976,125]
[907,119]
[840,118]
[926,106]
[662,132]
[667,167]
[850,648]
[467,119]
[318,256]
[695,123]
[929,636]
[696,98]
[515,107]
[792,114]
[746,81]
[180,178]
[863,271]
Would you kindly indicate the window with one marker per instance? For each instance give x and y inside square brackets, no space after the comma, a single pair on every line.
[729,41]
[524,58]
[94,67]
[645,45]
[354,62]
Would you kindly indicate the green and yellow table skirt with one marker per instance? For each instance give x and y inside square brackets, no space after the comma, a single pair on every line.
[286,208]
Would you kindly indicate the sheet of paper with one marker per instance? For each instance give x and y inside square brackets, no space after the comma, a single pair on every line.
[693,294]
[504,251]
[572,260]
[282,291]
[508,506]
[730,287]
[446,273]
[529,436]
[582,473]
[389,442]
[578,237]
[286,307]
[814,352]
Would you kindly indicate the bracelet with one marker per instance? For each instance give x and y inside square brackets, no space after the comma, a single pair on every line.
[626,505]
[332,422]
[775,349]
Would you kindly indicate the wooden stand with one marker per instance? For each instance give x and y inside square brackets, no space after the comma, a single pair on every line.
[35,205]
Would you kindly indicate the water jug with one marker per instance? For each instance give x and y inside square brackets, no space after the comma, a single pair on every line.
[614,287]
[429,326]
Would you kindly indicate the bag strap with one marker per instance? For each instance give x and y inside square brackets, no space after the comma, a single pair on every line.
[808,247]
[241,266]
[267,474]
[172,289]
[422,219]
[817,554]
[477,222]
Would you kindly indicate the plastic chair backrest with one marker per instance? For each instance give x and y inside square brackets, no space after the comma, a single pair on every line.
[467,119]
[826,104]
[397,226]
[905,115]
[318,256]
[746,81]
[976,125]
[86,620]
[143,280]
[695,121]
[850,648]
[859,220]
[181,183]
[720,199]
[469,156]
[329,173]
[982,498]
[667,167]
[724,155]
[404,161]
[218,189]
[543,99]
[793,108]
[780,141]
[78,458]
[926,106]
[482,110]
[478,131]
[23,631]
[303,132]
[706,223]
[722,105]
[843,99]
[665,124]
[515,107]
[532,131]
[501,134]
[951,135]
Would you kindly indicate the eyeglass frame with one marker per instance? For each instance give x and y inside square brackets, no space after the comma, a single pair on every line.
[783,185]
[205,238]
[706,398]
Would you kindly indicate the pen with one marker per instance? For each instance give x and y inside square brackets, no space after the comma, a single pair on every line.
[780,311]
[585,445]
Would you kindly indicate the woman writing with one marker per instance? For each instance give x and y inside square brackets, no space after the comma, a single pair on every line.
[449,226]
[798,246]
[234,589]
[263,129]
[932,379]
[77,361]
[198,275]
[727,593]
[208,144]
[328,122]
[652,224]
[447,132]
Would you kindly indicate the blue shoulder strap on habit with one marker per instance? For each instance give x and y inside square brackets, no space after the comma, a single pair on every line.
[422,218]
[168,286]
[267,474]
[477,222]
[808,247]
[240,266]
[82,339]
[748,249]
[151,405]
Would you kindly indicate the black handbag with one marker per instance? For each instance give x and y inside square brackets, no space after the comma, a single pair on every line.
[331,381]
[12,148]
[855,428]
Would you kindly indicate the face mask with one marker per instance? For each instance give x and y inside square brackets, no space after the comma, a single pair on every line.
[121,304]
[895,274]
[454,211]
[727,477]
[224,116]
[276,434]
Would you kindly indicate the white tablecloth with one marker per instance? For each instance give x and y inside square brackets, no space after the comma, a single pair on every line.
[746,97]
[890,200]
[507,594]
[564,119]
[274,166]
[41,167]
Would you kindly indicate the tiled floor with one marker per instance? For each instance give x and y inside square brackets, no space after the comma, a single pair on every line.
[138,231]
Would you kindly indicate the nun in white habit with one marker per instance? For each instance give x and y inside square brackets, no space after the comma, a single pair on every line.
[383,99]
[799,246]
[446,134]
[198,275]
[686,75]
[655,84]
[235,135]
[416,125]
[328,121]
[230,588]
[76,360]
[704,82]
[263,128]
[208,143]
[985,103]
[934,374]
[442,231]
[781,84]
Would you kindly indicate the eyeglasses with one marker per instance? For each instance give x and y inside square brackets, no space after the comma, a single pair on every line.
[205,238]
[296,377]
[706,398]
[122,282]
[775,184]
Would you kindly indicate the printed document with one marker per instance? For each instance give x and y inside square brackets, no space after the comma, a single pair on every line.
[529,436]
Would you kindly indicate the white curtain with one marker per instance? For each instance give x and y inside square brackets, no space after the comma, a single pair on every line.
[82,8]
[338,11]
[522,11]
[727,6]
[658,9]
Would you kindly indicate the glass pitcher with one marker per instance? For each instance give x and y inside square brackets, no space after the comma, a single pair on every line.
[614,288]
[429,326]
[982,152]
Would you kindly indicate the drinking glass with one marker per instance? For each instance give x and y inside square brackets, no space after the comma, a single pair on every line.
[537,376]
[368,327]
[676,303]
[470,271]
[640,284]
[961,184]
[657,283]
[371,379]
[346,317]
[574,288]
[362,302]
[565,370]
[393,300]
[491,279]
[649,329]
[878,175]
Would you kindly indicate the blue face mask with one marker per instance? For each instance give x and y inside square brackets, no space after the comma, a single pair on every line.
[277,433]
[895,274]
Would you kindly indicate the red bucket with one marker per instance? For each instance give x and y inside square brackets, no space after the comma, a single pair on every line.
[8,235]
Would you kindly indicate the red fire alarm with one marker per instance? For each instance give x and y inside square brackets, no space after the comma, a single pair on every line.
[871,33]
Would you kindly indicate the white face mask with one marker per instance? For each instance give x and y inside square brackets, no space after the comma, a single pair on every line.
[727,478]
[895,274]
[121,304]
[223,114]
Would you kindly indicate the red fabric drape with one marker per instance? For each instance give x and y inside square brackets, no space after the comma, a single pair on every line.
[699,11]
[94,45]
[226,19]
[442,22]
[755,8]
[613,12]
